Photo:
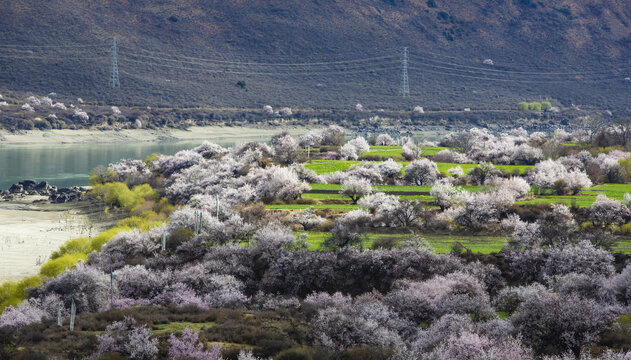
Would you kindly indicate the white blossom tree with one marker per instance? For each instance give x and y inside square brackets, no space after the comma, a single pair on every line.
[385,140]
[356,188]
[411,151]
[421,172]
[349,152]
[360,143]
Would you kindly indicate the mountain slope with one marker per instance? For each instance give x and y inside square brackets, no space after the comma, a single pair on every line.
[227,53]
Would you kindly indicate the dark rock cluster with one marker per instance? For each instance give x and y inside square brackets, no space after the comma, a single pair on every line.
[43,188]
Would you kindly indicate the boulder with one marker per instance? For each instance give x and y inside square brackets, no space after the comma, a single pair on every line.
[16,188]
[59,199]
[28,184]
[42,186]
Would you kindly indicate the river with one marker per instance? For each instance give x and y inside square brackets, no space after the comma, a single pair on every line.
[66,165]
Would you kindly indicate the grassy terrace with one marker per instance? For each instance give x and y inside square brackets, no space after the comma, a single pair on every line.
[584,199]
[392,188]
[614,191]
[440,243]
[331,166]
[443,243]
[396,152]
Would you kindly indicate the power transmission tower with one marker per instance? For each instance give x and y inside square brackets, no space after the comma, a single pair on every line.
[114,72]
[405,85]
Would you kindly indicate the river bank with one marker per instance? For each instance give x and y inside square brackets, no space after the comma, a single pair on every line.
[30,232]
[87,136]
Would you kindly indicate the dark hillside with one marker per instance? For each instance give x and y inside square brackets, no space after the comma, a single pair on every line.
[250,53]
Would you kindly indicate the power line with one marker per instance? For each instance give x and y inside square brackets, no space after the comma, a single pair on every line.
[52,58]
[538,73]
[517,80]
[341,62]
[254,65]
[17,46]
[219,71]
[427,54]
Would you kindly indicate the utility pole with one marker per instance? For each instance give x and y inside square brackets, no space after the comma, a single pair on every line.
[114,81]
[405,85]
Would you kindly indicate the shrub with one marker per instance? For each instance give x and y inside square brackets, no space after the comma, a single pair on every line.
[387,243]
[129,339]
[60,264]
[72,246]
[546,105]
[294,354]
[187,347]
[119,195]
[26,313]
[89,287]
[552,323]
[456,293]
[534,106]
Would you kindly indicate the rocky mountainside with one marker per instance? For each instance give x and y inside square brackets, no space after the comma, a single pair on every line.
[321,53]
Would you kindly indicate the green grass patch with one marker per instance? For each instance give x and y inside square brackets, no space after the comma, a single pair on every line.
[324,196]
[613,191]
[175,327]
[440,243]
[315,206]
[622,246]
[522,169]
[396,153]
[331,166]
[392,188]
[579,200]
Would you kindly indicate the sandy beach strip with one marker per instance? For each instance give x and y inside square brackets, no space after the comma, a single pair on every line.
[89,136]
[29,233]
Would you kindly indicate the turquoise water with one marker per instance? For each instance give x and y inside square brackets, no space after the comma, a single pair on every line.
[70,165]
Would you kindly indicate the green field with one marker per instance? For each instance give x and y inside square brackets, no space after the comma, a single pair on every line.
[392,188]
[315,206]
[343,197]
[331,166]
[585,198]
[444,243]
[175,327]
[432,150]
[440,243]
[613,191]
[570,200]
[396,152]
[522,169]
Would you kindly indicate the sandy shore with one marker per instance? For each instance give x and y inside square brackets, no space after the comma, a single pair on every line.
[29,233]
[86,136]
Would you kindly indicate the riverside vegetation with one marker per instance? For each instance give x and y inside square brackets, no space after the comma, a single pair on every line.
[481,246]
